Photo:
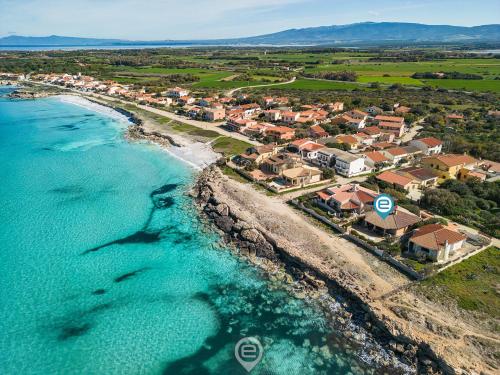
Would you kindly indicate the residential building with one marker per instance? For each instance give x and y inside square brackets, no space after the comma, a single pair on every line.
[396,224]
[428,146]
[272,115]
[276,164]
[374,110]
[317,131]
[257,154]
[336,107]
[448,166]
[280,133]
[351,141]
[424,176]
[346,164]
[290,117]
[212,114]
[177,92]
[302,176]
[435,242]
[464,174]
[377,160]
[398,180]
[349,198]
[392,124]
[238,124]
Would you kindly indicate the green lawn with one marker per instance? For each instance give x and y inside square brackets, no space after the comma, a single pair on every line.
[230,146]
[473,283]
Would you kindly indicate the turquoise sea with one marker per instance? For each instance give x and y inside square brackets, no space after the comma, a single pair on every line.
[106,268]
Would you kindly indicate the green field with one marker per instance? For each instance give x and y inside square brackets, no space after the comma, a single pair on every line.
[312,84]
[473,283]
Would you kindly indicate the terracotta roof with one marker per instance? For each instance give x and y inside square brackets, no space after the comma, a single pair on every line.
[300,172]
[323,195]
[300,142]
[396,220]
[434,236]
[349,139]
[372,130]
[388,124]
[280,129]
[389,118]
[397,151]
[376,156]
[383,145]
[394,178]
[312,146]
[452,160]
[430,141]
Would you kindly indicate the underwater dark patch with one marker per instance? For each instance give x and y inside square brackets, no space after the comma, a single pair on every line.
[129,275]
[164,189]
[138,237]
[74,331]
[162,203]
[68,189]
[99,292]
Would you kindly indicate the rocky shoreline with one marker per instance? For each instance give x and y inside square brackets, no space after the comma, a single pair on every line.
[281,261]
[22,94]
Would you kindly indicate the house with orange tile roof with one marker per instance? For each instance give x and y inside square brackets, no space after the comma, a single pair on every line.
[377,160]
[428,145]
[395,128]
[402,110]
[396,224]
[257,154]
[448,166]
[301,176]
[435,242]
[465,174]
[350,140]
[237,124]
[349,198]
[317,131]
[398,180]
[289,117]
[280,133]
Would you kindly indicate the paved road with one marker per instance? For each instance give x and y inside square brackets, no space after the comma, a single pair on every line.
[231,92]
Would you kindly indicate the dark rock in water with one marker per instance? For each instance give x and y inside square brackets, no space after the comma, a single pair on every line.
[74,331]
[129,275]
[225,223]
[99,292]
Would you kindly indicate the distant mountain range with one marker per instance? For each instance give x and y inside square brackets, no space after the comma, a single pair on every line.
[358,33]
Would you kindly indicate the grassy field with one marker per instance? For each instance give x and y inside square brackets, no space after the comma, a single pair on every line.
[311,84]
[473,283]
[229,146]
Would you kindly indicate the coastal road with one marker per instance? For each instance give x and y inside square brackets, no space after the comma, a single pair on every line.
[231,92]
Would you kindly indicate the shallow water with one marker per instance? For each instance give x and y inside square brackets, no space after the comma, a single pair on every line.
[105,267]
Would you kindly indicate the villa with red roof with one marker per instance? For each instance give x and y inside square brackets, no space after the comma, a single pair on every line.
[350,198]
[435,242]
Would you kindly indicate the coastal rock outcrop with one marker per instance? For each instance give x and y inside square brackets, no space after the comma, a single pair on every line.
[271,252]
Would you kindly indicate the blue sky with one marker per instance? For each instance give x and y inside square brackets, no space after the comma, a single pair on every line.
[177,19]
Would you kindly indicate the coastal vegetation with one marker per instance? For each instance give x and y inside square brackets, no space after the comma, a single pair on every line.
[471,284]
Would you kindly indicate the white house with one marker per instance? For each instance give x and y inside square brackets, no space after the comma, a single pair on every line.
[428,146]
[344,163]
[177,92]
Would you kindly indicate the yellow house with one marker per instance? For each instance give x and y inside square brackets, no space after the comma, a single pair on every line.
[449,166]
